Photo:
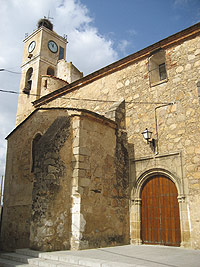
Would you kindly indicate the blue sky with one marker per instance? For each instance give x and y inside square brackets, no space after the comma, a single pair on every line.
[141,22]
[99,33]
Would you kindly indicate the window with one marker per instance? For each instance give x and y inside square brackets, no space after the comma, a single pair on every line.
[50,71]
[45,84]
[162,71]
[157,67]
[28,81]
[61,52]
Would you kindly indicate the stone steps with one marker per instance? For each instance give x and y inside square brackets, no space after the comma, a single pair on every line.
[9,263]
[66,257]
[24,258]
[17,257]
[31,258]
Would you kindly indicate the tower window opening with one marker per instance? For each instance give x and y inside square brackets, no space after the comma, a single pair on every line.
[61,52]
[28,82]
[50,71]
[45,83]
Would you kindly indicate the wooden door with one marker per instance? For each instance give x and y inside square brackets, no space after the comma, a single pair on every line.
[160,212]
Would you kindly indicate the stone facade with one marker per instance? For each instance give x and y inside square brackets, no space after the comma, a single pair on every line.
[49,83]
[168,107]
[68,72]
[100,185]
[19,179]
[63,187]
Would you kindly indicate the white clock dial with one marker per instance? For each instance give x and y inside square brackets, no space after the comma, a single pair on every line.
[31,47]
[53,46]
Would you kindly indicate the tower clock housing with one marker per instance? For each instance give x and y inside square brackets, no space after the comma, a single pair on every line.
[42,51]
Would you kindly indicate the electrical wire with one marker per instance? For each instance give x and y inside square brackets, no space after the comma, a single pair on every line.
[89,100]
[97,100]
[14,72]
[114,101]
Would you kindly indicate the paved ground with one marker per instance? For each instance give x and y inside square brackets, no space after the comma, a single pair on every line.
[121,256]
[143,255]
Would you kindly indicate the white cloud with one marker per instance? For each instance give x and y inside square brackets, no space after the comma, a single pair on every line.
[122,46]
[87,49]
[99,51]
[181,2]
[132,32]
[70,15]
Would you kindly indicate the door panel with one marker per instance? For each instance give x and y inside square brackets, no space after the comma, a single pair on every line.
[160,212]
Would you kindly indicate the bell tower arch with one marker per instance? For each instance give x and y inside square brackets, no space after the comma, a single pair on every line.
[42,50]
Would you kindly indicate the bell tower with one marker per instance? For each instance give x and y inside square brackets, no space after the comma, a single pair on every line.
[42,51]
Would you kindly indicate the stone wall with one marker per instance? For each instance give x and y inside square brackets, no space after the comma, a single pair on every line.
[100,211]
[170,110]
[67,71]
[50,84]
[69,169]
[19,179]
[51,203]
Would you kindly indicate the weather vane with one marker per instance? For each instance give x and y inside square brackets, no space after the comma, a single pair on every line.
[49,18]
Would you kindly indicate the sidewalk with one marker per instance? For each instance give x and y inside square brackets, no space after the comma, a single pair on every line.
[121,256]
[140,256]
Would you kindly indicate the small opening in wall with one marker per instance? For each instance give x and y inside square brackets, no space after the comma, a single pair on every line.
[28,81]
[50,71]
[157,67]
[45,84]
[162,71]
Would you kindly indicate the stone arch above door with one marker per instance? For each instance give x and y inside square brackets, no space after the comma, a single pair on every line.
[136,191]
[135,209]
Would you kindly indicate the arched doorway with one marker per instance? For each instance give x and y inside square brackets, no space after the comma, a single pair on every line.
[160,220]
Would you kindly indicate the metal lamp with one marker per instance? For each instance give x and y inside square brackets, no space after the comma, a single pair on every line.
[148,137]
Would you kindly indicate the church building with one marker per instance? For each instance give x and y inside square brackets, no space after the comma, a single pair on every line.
[111,158]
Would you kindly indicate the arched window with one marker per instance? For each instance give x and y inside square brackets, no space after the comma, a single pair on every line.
[28,81]
[50,71]
[34,145]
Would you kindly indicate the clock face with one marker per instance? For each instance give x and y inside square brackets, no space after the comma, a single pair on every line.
[53,46]
[31,47]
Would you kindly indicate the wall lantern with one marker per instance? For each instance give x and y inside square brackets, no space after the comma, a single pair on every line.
[147,136]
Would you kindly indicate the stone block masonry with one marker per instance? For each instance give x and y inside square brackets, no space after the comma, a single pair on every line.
[50,221]
[77,172]
[100,184]
[177,124]
[83,191]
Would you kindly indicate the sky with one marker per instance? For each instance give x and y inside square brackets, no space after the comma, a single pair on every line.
[99,32]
